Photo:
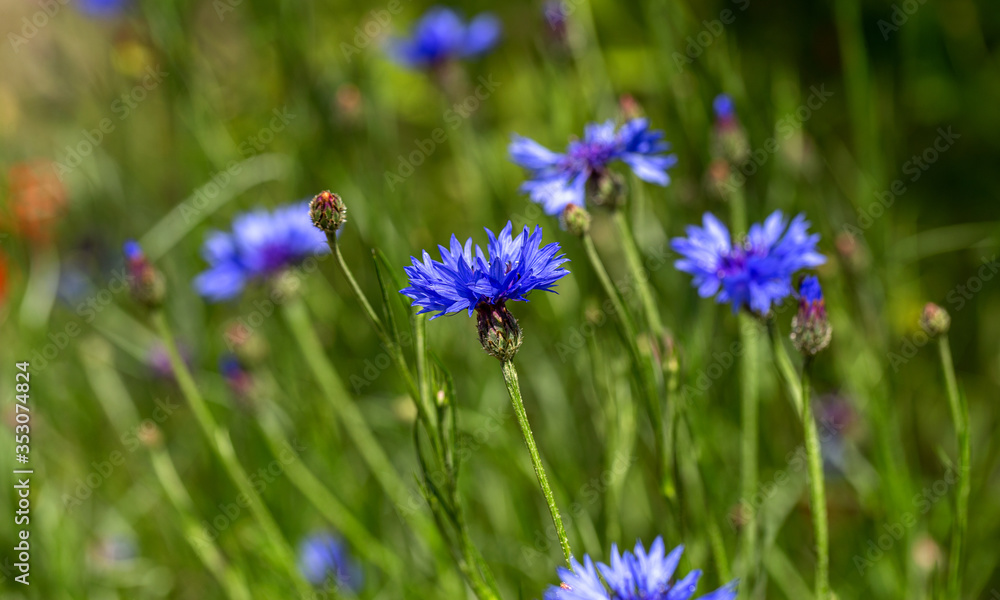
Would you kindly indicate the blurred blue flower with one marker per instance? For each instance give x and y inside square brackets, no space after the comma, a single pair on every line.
[440,35]
[556,17]
[261,244]
[463,280]
[102,8]
[725,109]
[755,272]
[322,557]
[634,575]
[558,180]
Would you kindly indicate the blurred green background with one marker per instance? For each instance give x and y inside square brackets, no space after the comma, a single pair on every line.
[213,108]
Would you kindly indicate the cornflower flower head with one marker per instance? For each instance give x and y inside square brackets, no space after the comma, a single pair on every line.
[637,575]
[322,558]
[560,179]
[466,279]
[753,273]
[261,245]
[441,36]
[811,330]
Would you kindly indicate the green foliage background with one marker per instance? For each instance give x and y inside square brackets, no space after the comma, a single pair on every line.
[196,144]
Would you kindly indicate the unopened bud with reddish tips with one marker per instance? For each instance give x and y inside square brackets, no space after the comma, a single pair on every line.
[935,320]
[630,108]
[576,220]
[499,332]
[811,330]
[328,212]
[146,283]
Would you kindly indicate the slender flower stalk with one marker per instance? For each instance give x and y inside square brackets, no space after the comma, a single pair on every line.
[937,322]
[749,437]
[514,389]
[785,367]
[297,317]
[121,411]
[643,364]
[221,444]
[323,500]
[811,333]
[639,275]
[817,490]
[148,289]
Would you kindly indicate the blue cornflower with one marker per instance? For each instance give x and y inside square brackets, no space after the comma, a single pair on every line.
[755,272]
[637,575]
[261,244]
[322,557]
[558,180]
[102,8]
[440,36]
[463,280]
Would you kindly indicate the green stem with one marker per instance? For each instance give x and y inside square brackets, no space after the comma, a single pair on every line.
[207,551]
[347,411]
[641,277]
[118,404]
[369,311]
[338,515]
[222,445]
[785,367]
[817,491]
[749,431]
[510,378]
[643,364]
[960,417]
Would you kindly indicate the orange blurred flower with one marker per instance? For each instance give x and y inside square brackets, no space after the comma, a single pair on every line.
[36,200]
